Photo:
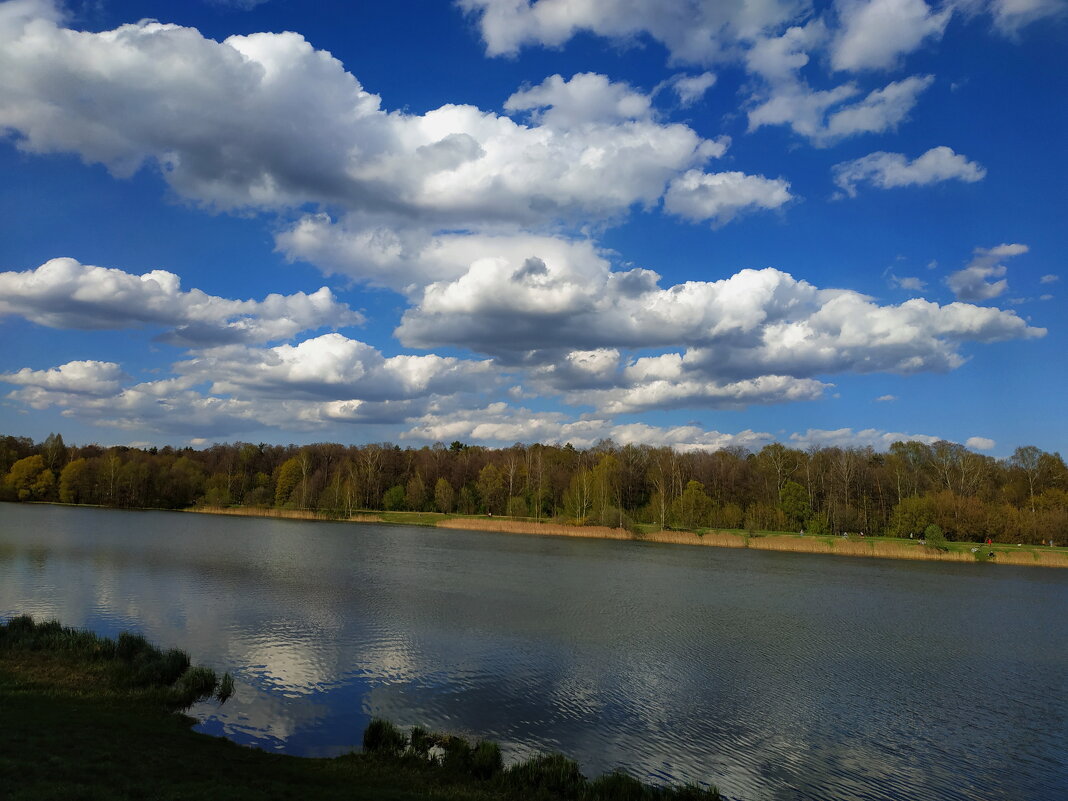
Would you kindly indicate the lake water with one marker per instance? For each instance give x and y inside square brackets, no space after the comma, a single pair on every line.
[773,675]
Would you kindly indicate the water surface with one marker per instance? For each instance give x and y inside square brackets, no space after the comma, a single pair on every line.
[774,675]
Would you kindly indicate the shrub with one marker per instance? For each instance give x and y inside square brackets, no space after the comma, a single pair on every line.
[382,737]
[226,688]
[617,786]
[420,741]
[196,684]
[457,754]
[935,538]
[486,760]
[552,774]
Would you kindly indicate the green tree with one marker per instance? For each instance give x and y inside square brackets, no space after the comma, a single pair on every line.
[289,476]
[444,496]
[393,499]
[935,538]
[76,482]
[491,489]
[911,516]
[28,479]
[795,504]
[415,493]
[693,509]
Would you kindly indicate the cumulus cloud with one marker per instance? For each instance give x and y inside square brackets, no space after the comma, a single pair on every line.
[694,32]
[848,438]
[886,399]
[691,389]
[320,382]
[585,98]
[697,195]
[974,283]
[980,443]
[875,33]
[331,367]
[215,118]
[890,170]
[64,293]
[1049,279]
[755,323]
[501,424]
[824,116]
[73,378]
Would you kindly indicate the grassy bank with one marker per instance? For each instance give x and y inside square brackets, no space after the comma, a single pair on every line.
[872,547]
[90,718]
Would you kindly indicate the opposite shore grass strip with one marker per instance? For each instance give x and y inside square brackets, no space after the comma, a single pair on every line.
[870,547]
[77,725]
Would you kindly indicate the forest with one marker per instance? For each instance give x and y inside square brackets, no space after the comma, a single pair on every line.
[818,490]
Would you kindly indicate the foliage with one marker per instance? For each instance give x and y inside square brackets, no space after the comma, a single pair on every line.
[935,538]
[825,490]
[382,737]
[393,500]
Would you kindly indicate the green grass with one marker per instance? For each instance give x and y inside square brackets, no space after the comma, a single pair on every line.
[80,722]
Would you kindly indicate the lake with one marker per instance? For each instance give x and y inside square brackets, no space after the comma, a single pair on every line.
[773,675]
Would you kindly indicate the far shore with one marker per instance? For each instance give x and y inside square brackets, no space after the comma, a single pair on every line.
[853,545]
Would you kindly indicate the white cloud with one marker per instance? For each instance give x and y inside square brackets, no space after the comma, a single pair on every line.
[779,59]
[721,196]
[693,31]
[64,293]
[973,282]
[848,438]
[691,391]
[890,170]
[875,33]
[910,283]
[321,382]
[980,443]
[1049,279]
[501,424]
[886,399]
[691,88]
[531,306]
[74,378]
[331,367]
[1012,15]
[215,117]
[586,98]
[824,117]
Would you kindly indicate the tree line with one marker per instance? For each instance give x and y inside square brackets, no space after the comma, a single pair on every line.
[821,490]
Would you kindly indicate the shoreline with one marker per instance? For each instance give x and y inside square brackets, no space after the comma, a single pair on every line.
[863,547]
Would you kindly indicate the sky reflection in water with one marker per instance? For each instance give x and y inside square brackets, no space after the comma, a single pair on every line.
[775,675]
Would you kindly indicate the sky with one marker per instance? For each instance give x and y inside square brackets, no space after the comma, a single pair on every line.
[663,222]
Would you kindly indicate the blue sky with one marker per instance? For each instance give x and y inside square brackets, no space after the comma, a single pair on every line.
[694,224]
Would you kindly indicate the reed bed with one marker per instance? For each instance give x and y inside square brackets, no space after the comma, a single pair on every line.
[523,527]
[716,539]
[283,514]
[793,544]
